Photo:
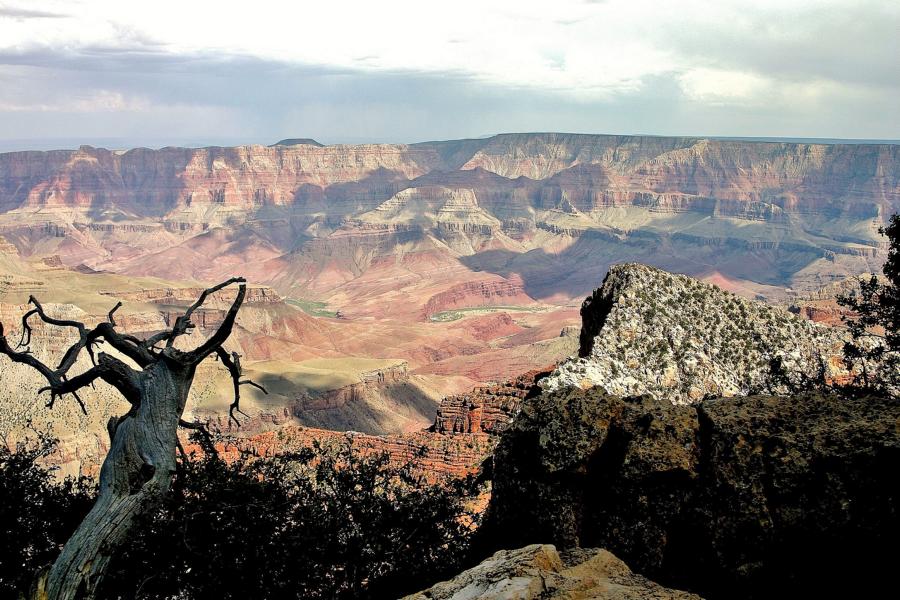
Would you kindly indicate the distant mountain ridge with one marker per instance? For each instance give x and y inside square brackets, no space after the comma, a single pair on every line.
[553,209]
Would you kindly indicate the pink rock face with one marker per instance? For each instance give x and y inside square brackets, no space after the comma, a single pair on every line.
[478,293]
[384,237]
[486,409]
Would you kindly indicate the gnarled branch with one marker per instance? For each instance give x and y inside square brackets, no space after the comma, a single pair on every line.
[205,435]
[218,338]
[233,364]
[183,323]
[109,369]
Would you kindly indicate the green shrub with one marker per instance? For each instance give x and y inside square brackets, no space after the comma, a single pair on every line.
[321,523]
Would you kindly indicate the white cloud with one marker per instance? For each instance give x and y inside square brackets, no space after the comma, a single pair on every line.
[754,58]
[718,86]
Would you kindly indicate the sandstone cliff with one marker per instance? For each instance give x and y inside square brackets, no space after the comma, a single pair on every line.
[676,338]
[753,497]
[530,204]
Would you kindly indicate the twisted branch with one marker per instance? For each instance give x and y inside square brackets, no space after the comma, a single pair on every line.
[233,364]
[206,441]
[142,352]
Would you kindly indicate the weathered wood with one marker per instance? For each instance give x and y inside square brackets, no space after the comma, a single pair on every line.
[136,474]
[139,467]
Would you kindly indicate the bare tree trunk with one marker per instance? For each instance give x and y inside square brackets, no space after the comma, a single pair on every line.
[138,469]
[135,475]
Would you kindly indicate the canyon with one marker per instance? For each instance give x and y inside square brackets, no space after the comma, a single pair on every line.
[387,277]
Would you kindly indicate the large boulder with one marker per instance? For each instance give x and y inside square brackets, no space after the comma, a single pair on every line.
[539,572]
[730,498]
[646,331]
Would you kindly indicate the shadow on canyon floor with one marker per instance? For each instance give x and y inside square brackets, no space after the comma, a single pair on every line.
[581,267]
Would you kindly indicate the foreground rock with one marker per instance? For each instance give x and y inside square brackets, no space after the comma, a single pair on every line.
[676,338]
[540,572]
[731,498]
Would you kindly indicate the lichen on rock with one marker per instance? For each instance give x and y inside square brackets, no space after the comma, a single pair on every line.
[646,331]
[730,498]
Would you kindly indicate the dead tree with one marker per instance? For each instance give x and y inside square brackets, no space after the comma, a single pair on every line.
[154,377]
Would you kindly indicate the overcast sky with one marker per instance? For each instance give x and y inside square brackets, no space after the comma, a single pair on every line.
[194,71]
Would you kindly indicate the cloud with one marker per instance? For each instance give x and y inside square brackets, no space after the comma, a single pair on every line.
[9,12]
[343,71]
[849,43]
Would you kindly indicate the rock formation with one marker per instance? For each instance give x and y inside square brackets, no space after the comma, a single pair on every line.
[556,209]
[478,293]
[388,236]
[676,338]
[732,498]
[487,409]
[540,572]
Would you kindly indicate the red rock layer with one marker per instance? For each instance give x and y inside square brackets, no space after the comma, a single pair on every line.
[479,293]
[437,455]
[187,295]
[486,409]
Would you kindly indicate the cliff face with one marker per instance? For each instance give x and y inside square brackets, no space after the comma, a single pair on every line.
[526,204]
[695,167]
[438,456]
[478,293]
[671,336]
[153,182]
[752,497]
[486,409]
[606,169]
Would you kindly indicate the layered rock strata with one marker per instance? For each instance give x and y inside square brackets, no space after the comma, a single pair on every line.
[486,409]
[478,293]
[437,456]
[732,498]
[530,204]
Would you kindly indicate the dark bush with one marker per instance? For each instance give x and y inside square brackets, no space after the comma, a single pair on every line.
[321,523]
[325,523]
[37,514]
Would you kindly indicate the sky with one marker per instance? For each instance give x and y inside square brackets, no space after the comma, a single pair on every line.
[128,73]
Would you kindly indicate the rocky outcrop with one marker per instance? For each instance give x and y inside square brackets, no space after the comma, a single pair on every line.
[298,142]
[826,313]
[487,409]
[478,293]
[356,392]
[540,572]
[7,248]
[732,498]
[676,338]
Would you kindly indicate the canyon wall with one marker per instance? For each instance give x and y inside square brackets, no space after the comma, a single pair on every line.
[303,214]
